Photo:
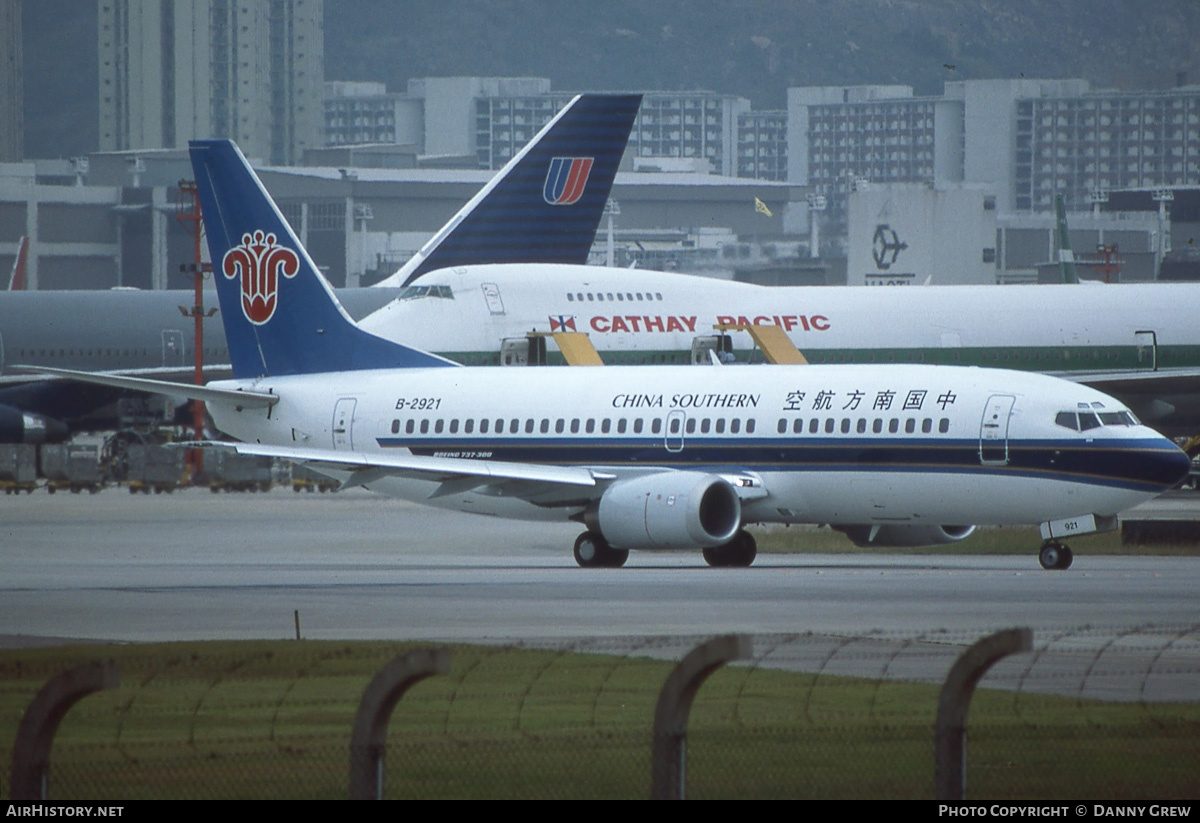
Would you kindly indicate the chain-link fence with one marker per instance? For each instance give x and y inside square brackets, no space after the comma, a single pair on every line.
[1089,713]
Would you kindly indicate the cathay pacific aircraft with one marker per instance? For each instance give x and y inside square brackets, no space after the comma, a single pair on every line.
[651,457]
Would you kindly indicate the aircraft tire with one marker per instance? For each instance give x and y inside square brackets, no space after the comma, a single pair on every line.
[1055,556]
[737,553]
[593,552]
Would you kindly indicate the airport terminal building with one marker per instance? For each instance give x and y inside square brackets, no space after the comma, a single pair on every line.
[853,184]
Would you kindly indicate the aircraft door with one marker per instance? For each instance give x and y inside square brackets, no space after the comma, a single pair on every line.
[491,296]
[343,423]
[172,347]
[993,430]
[673,434]
[1147,349]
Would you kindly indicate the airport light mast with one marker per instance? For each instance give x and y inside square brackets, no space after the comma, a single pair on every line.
[187,188]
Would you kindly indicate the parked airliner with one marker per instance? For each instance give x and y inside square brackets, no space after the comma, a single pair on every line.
[542,207]
[655,457]
[1138,342]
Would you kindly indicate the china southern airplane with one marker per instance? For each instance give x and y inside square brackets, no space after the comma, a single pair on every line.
[542,207]
[653,457]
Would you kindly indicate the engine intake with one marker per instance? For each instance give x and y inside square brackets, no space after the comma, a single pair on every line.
[905,536]
[670,510]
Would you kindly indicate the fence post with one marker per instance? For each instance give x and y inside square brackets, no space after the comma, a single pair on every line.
[368,741]
[950,731]
[29,778]
[669,753]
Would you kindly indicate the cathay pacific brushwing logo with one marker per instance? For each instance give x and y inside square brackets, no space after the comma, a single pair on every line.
[259,263]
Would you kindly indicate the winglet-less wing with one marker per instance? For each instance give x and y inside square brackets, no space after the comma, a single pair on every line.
[242,399]
[455,475]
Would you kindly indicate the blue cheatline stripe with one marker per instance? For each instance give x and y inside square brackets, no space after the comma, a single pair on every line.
[1132,464]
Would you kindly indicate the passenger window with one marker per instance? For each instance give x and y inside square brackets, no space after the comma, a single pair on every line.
[410,426]
[656,425]
[782,425]
[454,426]
[622,424]
[674,427]
[750,426]
[637,425]
[575,426]
[591,425]
[720,425]
[483,426]
[862,425]
[545,427]
[560,426]
[845,425]
[927,425]
[514,426]
[691,425]
[829,424]
[438,426]
[910,425]
[877,425]
[814,426]
[944,425]
[395,427]
[797,426]
[735,426]
[529,426]
[705,426]
[425,426]
[893,426]
[605,426]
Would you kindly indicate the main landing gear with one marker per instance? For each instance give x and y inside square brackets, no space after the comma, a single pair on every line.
[1055,556]
[738,552]
[593,552]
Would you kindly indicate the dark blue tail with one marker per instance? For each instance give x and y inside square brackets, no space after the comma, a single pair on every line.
[546,204]
[280,315]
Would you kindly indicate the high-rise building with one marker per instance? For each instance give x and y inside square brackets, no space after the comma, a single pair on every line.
[12,97]
[250,70]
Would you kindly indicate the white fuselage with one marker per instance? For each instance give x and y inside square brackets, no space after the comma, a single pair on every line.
[824,444]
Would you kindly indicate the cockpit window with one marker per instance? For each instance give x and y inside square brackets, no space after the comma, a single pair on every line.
[1067,420]
[419,292]
[1084,420]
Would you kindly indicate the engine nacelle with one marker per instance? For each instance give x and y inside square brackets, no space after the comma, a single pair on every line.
[671,510]
[901,536]
[17,426]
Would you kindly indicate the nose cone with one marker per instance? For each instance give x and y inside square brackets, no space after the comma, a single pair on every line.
[1164,465]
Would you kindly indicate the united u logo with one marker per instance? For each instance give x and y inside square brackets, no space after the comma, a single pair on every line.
[566,179]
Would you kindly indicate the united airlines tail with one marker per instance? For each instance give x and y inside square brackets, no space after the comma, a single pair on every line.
[545,205]
[280,315]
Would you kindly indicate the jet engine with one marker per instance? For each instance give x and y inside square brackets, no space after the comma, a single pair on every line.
[898,536]
[670,510]
[17,426]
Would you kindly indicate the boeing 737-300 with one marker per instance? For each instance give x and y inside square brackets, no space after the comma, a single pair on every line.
[658,457]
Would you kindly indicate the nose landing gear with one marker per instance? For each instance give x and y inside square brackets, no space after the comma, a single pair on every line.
[1055,556]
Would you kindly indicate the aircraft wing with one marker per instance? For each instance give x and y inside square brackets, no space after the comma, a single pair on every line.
[537,483]
[245,399]
[540,484]
[1170,381]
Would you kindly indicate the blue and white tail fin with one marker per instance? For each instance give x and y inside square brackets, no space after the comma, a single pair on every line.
[280,315]
[545,205]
